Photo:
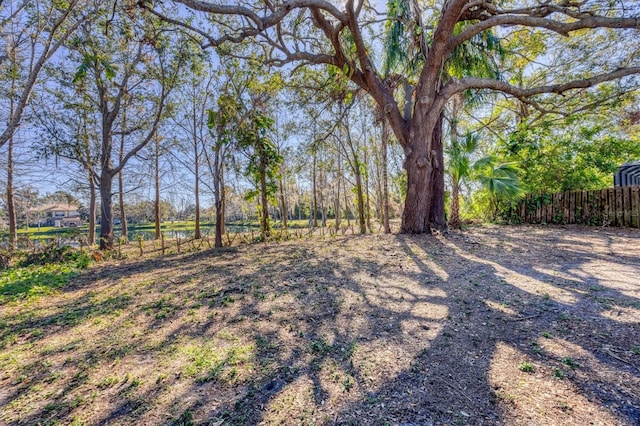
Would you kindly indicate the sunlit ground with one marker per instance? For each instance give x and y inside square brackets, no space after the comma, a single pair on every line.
[518,325]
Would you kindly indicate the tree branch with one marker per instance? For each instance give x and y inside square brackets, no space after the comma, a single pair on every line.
[562,28]
[456,86]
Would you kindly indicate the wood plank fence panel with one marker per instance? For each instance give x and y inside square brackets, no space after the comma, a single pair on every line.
[607,207]
[626,206]
[611,197]
[635,209]
[619,210]
[604,207]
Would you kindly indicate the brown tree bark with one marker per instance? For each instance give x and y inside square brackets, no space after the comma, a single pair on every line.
[196,187]
[264,206]
[11,206]
[437,218]
[314,178]
[91,237]
[385,177]
[283,204]
[454,220]
[156,201]
[106,219]
[123,216]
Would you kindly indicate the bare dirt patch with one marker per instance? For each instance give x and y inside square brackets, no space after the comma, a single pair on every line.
[497,325]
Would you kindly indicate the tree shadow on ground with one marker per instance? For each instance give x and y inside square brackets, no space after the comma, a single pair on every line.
[359,330]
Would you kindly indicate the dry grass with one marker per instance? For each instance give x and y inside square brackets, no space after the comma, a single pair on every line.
[518,325]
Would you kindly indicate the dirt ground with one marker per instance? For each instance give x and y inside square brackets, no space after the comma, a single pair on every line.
[496,325]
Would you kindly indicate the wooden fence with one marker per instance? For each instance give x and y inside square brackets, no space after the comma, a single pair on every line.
[607,207]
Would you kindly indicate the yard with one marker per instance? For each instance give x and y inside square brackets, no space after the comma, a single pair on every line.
[496,325]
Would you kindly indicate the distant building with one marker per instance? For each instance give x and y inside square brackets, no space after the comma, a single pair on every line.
[58,215]
[628,174]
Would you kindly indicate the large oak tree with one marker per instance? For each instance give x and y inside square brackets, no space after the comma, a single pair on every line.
[344,34]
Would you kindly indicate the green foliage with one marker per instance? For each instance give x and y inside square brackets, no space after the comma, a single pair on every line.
[397,38]
[40,272]
[579,156]
[569,362]
[34,281]
[96,63]
[477,57]
[500,181]
[526,367]
[53,254]
[263,155]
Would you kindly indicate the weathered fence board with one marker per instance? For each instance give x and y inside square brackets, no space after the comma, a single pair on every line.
[607,207]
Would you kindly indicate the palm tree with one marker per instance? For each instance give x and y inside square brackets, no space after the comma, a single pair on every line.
[460,166]
[500,180]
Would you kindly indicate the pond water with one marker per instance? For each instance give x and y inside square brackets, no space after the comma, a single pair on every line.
[63,237]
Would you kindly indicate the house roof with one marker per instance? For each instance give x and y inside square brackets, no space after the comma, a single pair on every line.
[54,207]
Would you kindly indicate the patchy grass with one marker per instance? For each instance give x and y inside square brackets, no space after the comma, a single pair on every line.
[33,281]
[376,329]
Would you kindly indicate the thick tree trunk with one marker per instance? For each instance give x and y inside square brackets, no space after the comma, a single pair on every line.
[424,163]
[106,216]
[417,204]
[437,218]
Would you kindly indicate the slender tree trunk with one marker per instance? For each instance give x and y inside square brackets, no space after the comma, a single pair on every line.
[338,213]
[385,177]
[283,204]
[123,216]
[323,207]
[197,235]
[219,223]
[218,194]
[106,217]
[223,197]
[11,207]
[315,190]
[156,204]
[264,206]
[360,198]
[366,190]
[346,203]
[91,237]
[454,220]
